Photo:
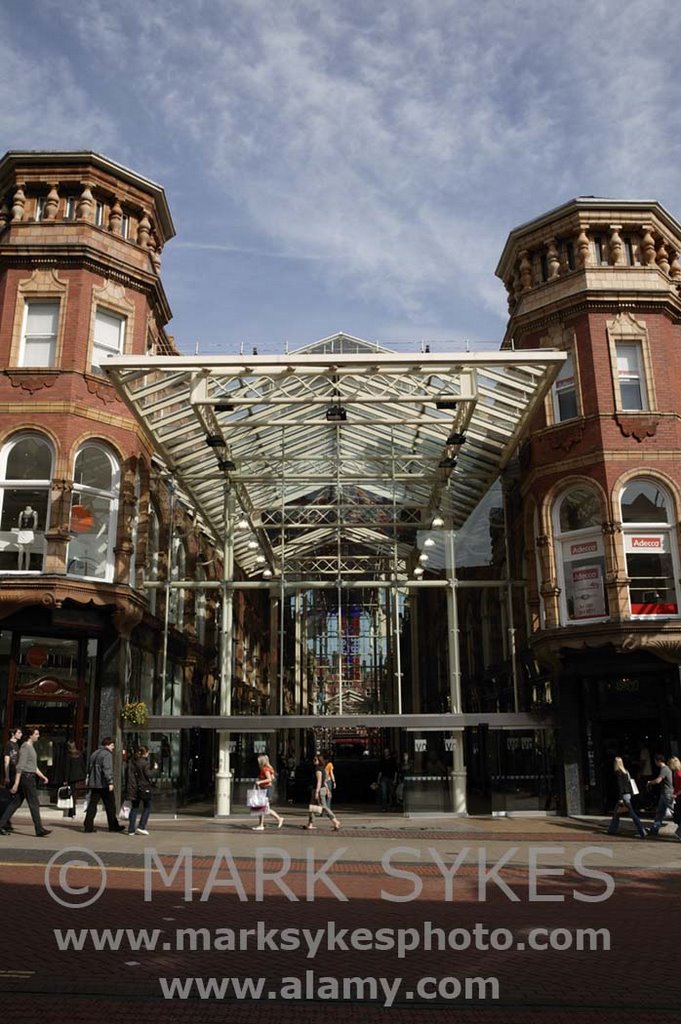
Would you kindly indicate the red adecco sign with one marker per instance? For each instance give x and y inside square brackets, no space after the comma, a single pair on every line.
[655,543]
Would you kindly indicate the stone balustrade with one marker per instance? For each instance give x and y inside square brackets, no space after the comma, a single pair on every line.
[79,203]
[589,246]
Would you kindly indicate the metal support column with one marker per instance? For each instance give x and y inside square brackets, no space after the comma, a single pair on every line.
[458,768]
[223,778]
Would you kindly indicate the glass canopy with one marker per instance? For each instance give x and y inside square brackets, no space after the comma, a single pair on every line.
[337,454]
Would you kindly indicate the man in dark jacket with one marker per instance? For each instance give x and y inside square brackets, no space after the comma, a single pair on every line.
[100,784]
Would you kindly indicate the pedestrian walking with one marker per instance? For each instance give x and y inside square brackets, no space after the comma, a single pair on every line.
[666,800]
[100,784]
[319,795]
[24,787]
[264,782]
[625,792]
[387,780]
[74,773]
[140,782]
[674,765]
[329,778]
[10,758]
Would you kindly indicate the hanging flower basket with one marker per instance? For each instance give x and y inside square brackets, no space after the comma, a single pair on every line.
[135,713]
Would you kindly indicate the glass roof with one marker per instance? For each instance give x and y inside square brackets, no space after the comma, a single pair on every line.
[339,452]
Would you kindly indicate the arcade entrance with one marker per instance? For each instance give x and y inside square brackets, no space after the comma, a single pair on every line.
[337,478]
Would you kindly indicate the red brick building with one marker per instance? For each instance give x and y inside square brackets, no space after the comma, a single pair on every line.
[597,513]
[87,514]
[569,578]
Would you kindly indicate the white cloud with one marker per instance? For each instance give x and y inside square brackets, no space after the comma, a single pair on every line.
[393,144]
[43,105]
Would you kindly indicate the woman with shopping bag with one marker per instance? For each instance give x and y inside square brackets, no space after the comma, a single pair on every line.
[626,789]
[258,798]
[74,773]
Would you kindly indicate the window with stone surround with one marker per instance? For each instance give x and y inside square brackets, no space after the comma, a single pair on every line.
[630,376]
[580,555]
[94,511]
[633,384]
[39,334]
[26,467]
[564,397]
[109,337]
[650,548]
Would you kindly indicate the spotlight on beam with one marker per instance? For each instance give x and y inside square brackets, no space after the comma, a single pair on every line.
[336,414]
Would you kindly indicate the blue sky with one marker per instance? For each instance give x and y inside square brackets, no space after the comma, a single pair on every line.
[348,165]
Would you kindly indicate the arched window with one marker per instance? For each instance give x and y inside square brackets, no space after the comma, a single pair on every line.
[577,518]
[25,479]
[94,508]
[650,548]
[152,557]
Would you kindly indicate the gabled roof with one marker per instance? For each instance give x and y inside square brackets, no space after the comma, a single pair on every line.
[337,453]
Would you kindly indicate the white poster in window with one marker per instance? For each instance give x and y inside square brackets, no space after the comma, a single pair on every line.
[587,592]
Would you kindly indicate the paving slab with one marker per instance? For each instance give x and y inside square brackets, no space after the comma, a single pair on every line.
[440,919]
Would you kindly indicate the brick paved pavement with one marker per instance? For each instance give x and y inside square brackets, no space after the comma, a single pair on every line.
[634,981]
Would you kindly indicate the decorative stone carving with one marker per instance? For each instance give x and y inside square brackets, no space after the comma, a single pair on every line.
[51,204]
[31,381]
[647,247]
[102,390]
[155,254]
[18,204]
[611,527]
[86,205]
[636,425]
[552,259]
[675,266]
[4,216]
[584,248]
[564,438]
[662,257]
[615,246]
[667,648]
[126,617]
[144,231]
[115,218]
[525,270]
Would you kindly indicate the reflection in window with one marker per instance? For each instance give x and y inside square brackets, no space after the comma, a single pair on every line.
[152,557]
[580,556]
[134,531]
[176,595]
[94,508]
[25,475]
[200,605]
[650,549]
